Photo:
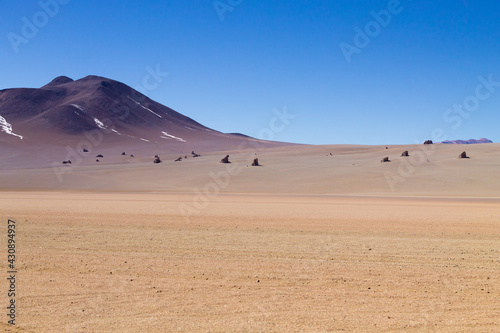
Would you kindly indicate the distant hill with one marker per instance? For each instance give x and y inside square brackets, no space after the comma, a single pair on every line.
[39,126]
[66,110]
[69,107]
[467,142]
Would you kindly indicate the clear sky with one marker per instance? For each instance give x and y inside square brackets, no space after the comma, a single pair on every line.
[349,71]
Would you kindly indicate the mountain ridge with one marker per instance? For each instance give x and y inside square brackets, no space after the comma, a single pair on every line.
[91,103]
[468,142]
[46,125]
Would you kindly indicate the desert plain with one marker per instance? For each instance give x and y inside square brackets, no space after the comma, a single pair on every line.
[308,242]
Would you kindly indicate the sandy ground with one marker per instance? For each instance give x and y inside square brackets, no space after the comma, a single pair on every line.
[431,170]
[132,262]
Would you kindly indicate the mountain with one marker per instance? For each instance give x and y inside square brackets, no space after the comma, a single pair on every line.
[65,107]
[69,107]
[467,142]
[68,114]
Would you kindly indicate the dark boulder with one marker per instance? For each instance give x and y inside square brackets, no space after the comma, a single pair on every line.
[255,162]
[428,142]
[463,155]
[157,159]
[405,154]
[225,159]
[385,159]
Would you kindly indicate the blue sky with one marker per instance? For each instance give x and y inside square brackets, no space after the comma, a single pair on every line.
[398,86]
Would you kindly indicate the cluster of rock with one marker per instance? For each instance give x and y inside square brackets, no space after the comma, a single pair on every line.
[428,142]
[98,156]
[255,162]
[185,157]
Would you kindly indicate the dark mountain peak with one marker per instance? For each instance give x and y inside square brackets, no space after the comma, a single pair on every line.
[93,102]
[58,81]
[104,84]
[93,78]
[240,134]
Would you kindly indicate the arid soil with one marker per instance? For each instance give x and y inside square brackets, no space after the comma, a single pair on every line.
[132,262]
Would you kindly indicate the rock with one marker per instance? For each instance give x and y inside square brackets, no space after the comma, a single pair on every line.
[178,160]
[255,162]
[99,156]
[85,150]
[405,154]
[157,159]
[131,155]
[428,142]
[463,155]
[225,159]
[385,159]
[123,154]
[97,160]
[67,162]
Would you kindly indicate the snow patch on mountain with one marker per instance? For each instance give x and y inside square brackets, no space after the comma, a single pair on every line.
[81,108]
[99,123]
[7,128]
[145,108]
[169,136]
